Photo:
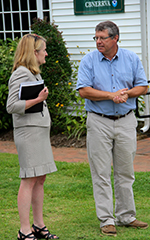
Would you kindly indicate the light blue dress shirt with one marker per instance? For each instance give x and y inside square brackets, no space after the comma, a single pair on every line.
[125,70]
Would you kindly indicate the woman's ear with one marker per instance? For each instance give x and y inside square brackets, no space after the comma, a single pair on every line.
[35,52]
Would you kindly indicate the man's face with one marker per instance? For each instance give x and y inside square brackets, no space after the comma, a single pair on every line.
[105,43]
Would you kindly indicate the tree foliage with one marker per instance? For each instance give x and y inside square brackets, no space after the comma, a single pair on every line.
[56,72]
[7,49]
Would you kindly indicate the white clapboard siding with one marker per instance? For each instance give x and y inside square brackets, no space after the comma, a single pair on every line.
[78,30]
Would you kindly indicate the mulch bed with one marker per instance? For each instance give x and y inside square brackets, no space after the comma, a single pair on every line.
[61,140]
[58,140]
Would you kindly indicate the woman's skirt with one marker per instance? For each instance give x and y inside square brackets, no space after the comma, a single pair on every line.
[34,151]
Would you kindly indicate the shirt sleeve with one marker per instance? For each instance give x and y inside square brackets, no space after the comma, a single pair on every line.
[139,73]
[85,73]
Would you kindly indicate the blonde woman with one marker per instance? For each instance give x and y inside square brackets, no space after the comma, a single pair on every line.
[31,136]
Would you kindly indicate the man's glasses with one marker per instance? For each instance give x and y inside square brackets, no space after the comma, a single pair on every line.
[101,38]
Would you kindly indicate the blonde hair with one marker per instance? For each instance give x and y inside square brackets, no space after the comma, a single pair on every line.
[25,56]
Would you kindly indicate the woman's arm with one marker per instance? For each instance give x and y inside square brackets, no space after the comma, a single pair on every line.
[41,97]
[14,105]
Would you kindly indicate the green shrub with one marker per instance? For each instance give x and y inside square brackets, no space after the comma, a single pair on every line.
[75,120]
[7,49]
[56,72]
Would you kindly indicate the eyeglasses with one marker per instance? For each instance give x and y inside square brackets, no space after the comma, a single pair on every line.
[101,38]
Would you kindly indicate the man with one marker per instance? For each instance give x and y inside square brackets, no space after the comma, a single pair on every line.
[110,79]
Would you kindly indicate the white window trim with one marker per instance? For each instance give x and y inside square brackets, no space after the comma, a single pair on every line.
[39,10]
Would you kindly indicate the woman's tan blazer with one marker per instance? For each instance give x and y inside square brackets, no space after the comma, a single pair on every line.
[16,107]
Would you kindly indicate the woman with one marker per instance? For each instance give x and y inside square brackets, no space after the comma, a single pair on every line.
[31,136]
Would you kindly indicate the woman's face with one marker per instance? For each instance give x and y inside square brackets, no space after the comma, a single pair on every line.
[41,54]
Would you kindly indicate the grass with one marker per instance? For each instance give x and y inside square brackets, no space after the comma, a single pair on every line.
[69,208]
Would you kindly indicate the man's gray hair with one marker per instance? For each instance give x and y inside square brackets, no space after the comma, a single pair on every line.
[112,28]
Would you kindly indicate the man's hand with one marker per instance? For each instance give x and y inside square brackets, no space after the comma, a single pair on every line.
[122,96]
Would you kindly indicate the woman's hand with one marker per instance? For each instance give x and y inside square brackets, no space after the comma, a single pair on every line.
[41,97]
[43,94]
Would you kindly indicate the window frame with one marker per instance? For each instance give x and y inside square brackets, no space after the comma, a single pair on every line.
[39,11]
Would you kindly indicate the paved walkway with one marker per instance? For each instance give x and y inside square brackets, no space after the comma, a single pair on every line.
[141,162]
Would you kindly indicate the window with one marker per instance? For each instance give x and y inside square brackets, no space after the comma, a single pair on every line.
[16,16]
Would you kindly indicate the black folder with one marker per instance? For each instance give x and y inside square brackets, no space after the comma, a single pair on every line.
[31,90]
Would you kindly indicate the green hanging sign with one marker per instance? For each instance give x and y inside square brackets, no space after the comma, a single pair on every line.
[83,7]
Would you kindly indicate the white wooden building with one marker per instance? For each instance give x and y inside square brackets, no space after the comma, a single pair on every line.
[78,30]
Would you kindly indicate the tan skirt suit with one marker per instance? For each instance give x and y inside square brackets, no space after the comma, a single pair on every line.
[31,130]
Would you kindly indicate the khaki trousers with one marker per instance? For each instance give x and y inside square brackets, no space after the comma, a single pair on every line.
[112,141]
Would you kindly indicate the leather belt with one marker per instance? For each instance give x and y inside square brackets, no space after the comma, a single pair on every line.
[111,116]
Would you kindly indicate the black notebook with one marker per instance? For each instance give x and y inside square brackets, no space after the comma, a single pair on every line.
[31,90]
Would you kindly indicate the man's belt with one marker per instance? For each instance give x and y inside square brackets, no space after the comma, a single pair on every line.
[111,116]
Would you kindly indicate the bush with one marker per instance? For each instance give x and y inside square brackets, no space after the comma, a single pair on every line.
[64,103]
[7,49]
[56,72]
[75,120]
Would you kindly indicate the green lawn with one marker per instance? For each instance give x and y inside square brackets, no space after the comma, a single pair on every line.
[69,208]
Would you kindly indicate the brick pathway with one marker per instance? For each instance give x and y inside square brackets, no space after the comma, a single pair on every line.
[141,162]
